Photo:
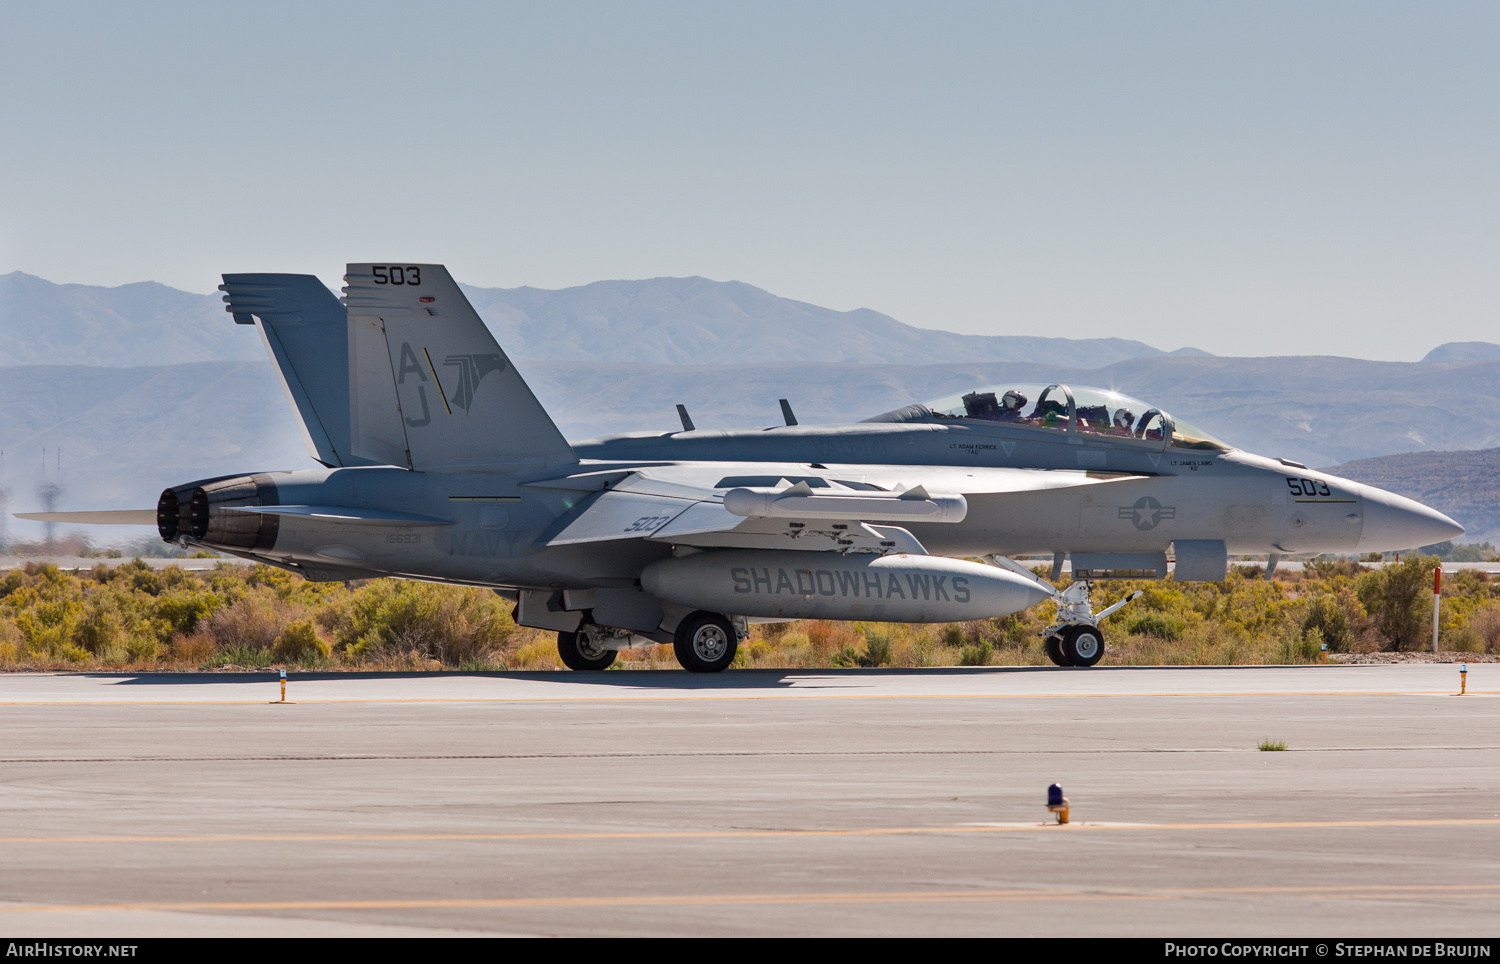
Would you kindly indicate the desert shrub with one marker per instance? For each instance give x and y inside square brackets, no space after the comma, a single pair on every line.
[1328,568]
[1155,624]
[1304,647]
[243,656]
[141,577]
[299,642]
[10,643]
[978,654]
[197,648]
[143,649]
[1397,597]
[279,581]
[1463,639]
[827,637]
[794,640]
[184,610]
[1486,624]
[396,619]
[1013,631]
[101,628]
[877,649]
[104,575]
[251,622]
[47,629]
[537,653]
[1329,620]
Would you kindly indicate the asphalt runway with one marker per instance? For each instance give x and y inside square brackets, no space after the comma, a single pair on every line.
[860,802]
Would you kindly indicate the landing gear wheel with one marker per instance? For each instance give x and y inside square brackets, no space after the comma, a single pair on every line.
[1055,651]
[1083,645]
[577,652]
[705,643]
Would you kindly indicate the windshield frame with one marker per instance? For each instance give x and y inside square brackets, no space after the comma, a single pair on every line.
[1073,431]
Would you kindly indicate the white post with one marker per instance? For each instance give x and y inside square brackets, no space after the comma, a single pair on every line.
[1437,598]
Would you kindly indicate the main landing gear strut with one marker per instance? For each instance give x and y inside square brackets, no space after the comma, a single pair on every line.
[1075,639]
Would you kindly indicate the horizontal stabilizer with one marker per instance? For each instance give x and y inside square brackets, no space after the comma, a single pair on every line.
[113,517]
[339,513]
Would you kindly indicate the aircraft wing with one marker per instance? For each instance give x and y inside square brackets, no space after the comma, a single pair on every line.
[610,515]
[639,506]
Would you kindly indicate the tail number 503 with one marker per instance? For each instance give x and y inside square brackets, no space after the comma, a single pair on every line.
[397,275]
[1307,487]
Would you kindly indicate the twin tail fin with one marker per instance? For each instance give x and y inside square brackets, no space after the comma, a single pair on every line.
[404,372]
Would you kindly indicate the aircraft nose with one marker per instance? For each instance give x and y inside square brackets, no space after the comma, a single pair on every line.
[1395,522]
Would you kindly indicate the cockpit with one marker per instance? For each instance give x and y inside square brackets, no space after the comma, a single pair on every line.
[1059,408]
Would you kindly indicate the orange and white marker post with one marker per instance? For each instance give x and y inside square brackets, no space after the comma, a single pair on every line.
[1437,598]
[283,693]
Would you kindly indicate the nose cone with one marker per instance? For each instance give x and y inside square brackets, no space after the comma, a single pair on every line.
[1024,593]
[1395,522]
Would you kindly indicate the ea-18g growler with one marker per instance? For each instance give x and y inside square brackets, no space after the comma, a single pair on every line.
[438,463]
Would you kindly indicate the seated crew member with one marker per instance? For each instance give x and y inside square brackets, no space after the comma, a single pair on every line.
[1050,414]
[981,405]
[1010,407]
[1124,420]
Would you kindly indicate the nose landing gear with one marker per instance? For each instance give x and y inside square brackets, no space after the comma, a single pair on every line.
[1075,639]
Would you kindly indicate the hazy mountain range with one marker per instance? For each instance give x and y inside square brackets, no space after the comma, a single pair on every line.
[674,321]
[141,385]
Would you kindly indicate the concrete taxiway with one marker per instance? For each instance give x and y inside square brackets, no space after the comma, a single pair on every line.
[857,802]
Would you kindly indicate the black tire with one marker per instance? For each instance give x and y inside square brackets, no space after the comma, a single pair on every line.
[581,657]
[1083,645]
[1055,652]
[706,643]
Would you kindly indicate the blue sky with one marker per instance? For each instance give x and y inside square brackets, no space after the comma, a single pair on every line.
[1270,178]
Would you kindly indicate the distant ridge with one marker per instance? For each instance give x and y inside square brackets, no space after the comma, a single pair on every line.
[42,323]
[692,321]
[1464,351]
[695,321]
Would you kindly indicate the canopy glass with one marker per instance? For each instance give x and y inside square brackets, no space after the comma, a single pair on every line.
[1092,411]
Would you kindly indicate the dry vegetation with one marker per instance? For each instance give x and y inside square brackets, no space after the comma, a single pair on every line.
[134,617]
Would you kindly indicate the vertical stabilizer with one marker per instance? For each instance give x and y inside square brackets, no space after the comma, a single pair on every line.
[459,399]
[306,334]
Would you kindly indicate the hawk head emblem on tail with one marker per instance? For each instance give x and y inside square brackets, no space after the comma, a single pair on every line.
[471,371]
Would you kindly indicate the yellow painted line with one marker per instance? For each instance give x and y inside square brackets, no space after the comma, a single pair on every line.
[1356,892]
[733,834]
[750,697]
[441,394]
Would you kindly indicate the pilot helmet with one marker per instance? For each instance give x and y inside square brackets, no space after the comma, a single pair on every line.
[1013,400]
[1124,418]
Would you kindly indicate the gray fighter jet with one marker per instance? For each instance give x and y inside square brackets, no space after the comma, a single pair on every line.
[438,463]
